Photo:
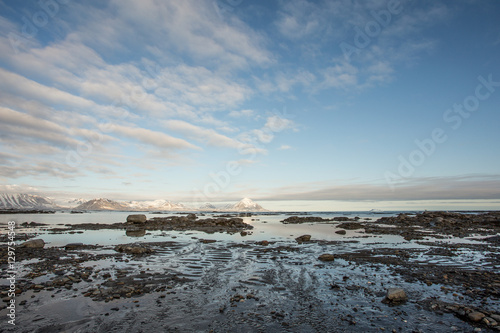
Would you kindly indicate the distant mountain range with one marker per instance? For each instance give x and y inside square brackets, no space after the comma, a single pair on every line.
[25,201]
[30,201]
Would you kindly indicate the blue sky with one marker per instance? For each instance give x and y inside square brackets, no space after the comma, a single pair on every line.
[323,105]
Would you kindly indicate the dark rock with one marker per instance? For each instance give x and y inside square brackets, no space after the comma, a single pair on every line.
[303,238]
[341,232]
[350,225]
[133,249]
[304,219]
[326,257]
[72,246]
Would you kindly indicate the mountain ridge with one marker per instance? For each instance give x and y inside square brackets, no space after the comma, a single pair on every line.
[31,201]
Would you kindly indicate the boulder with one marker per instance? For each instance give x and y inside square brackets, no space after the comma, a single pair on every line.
[395,296]
[476,316]
[34,243]
[341,232]
[303,238]
[326,257]
[137,218]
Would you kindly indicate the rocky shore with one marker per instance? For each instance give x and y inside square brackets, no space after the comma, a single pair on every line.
[301,285]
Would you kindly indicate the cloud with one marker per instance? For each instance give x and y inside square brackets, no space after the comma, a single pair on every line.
[284,147]
[208,136]
[21,125]
[150,137]
[191,28]
[242,113]
[436,188]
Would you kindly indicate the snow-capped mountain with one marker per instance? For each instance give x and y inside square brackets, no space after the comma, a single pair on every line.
[106,204]
[207,206]
[73,202]
[246,204]
[25,201]
[101,204]
[155,205]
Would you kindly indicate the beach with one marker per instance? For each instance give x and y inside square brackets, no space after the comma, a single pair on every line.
[261,272]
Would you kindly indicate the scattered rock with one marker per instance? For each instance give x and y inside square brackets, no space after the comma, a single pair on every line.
[395,296]
[326,257]
[303,219]
[303,238]
[34,243]
[137,218]
[72,246]
[476,316]
[350,225]
[207,241]
[133,249]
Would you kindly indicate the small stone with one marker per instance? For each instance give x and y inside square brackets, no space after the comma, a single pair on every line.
[396,295]
[476,316]
[72,246]
[303,238]
[341,232]
[326,257]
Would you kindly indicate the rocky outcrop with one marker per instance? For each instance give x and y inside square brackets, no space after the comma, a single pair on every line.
[34,244]
[303,219]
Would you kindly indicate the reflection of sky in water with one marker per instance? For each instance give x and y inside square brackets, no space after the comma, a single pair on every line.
[266,227]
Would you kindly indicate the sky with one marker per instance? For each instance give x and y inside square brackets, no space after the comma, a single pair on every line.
[299,105]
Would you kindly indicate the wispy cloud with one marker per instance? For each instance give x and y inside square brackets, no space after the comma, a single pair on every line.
[436,188]
[150,137]
[205,135]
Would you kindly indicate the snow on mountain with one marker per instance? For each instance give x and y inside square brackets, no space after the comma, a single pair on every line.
[101,204]
[155,205]
[208,206]
[76,202]
[106,204]
[25,201]
[246,204]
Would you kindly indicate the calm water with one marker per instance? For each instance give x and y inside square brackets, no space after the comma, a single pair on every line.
[266,227]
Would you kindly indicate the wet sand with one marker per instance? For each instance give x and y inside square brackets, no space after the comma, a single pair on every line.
[203,282]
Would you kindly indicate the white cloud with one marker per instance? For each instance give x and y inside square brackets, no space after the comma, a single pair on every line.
[205,135]
[150,137]
[242,113]
[188,27]
[284,147]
